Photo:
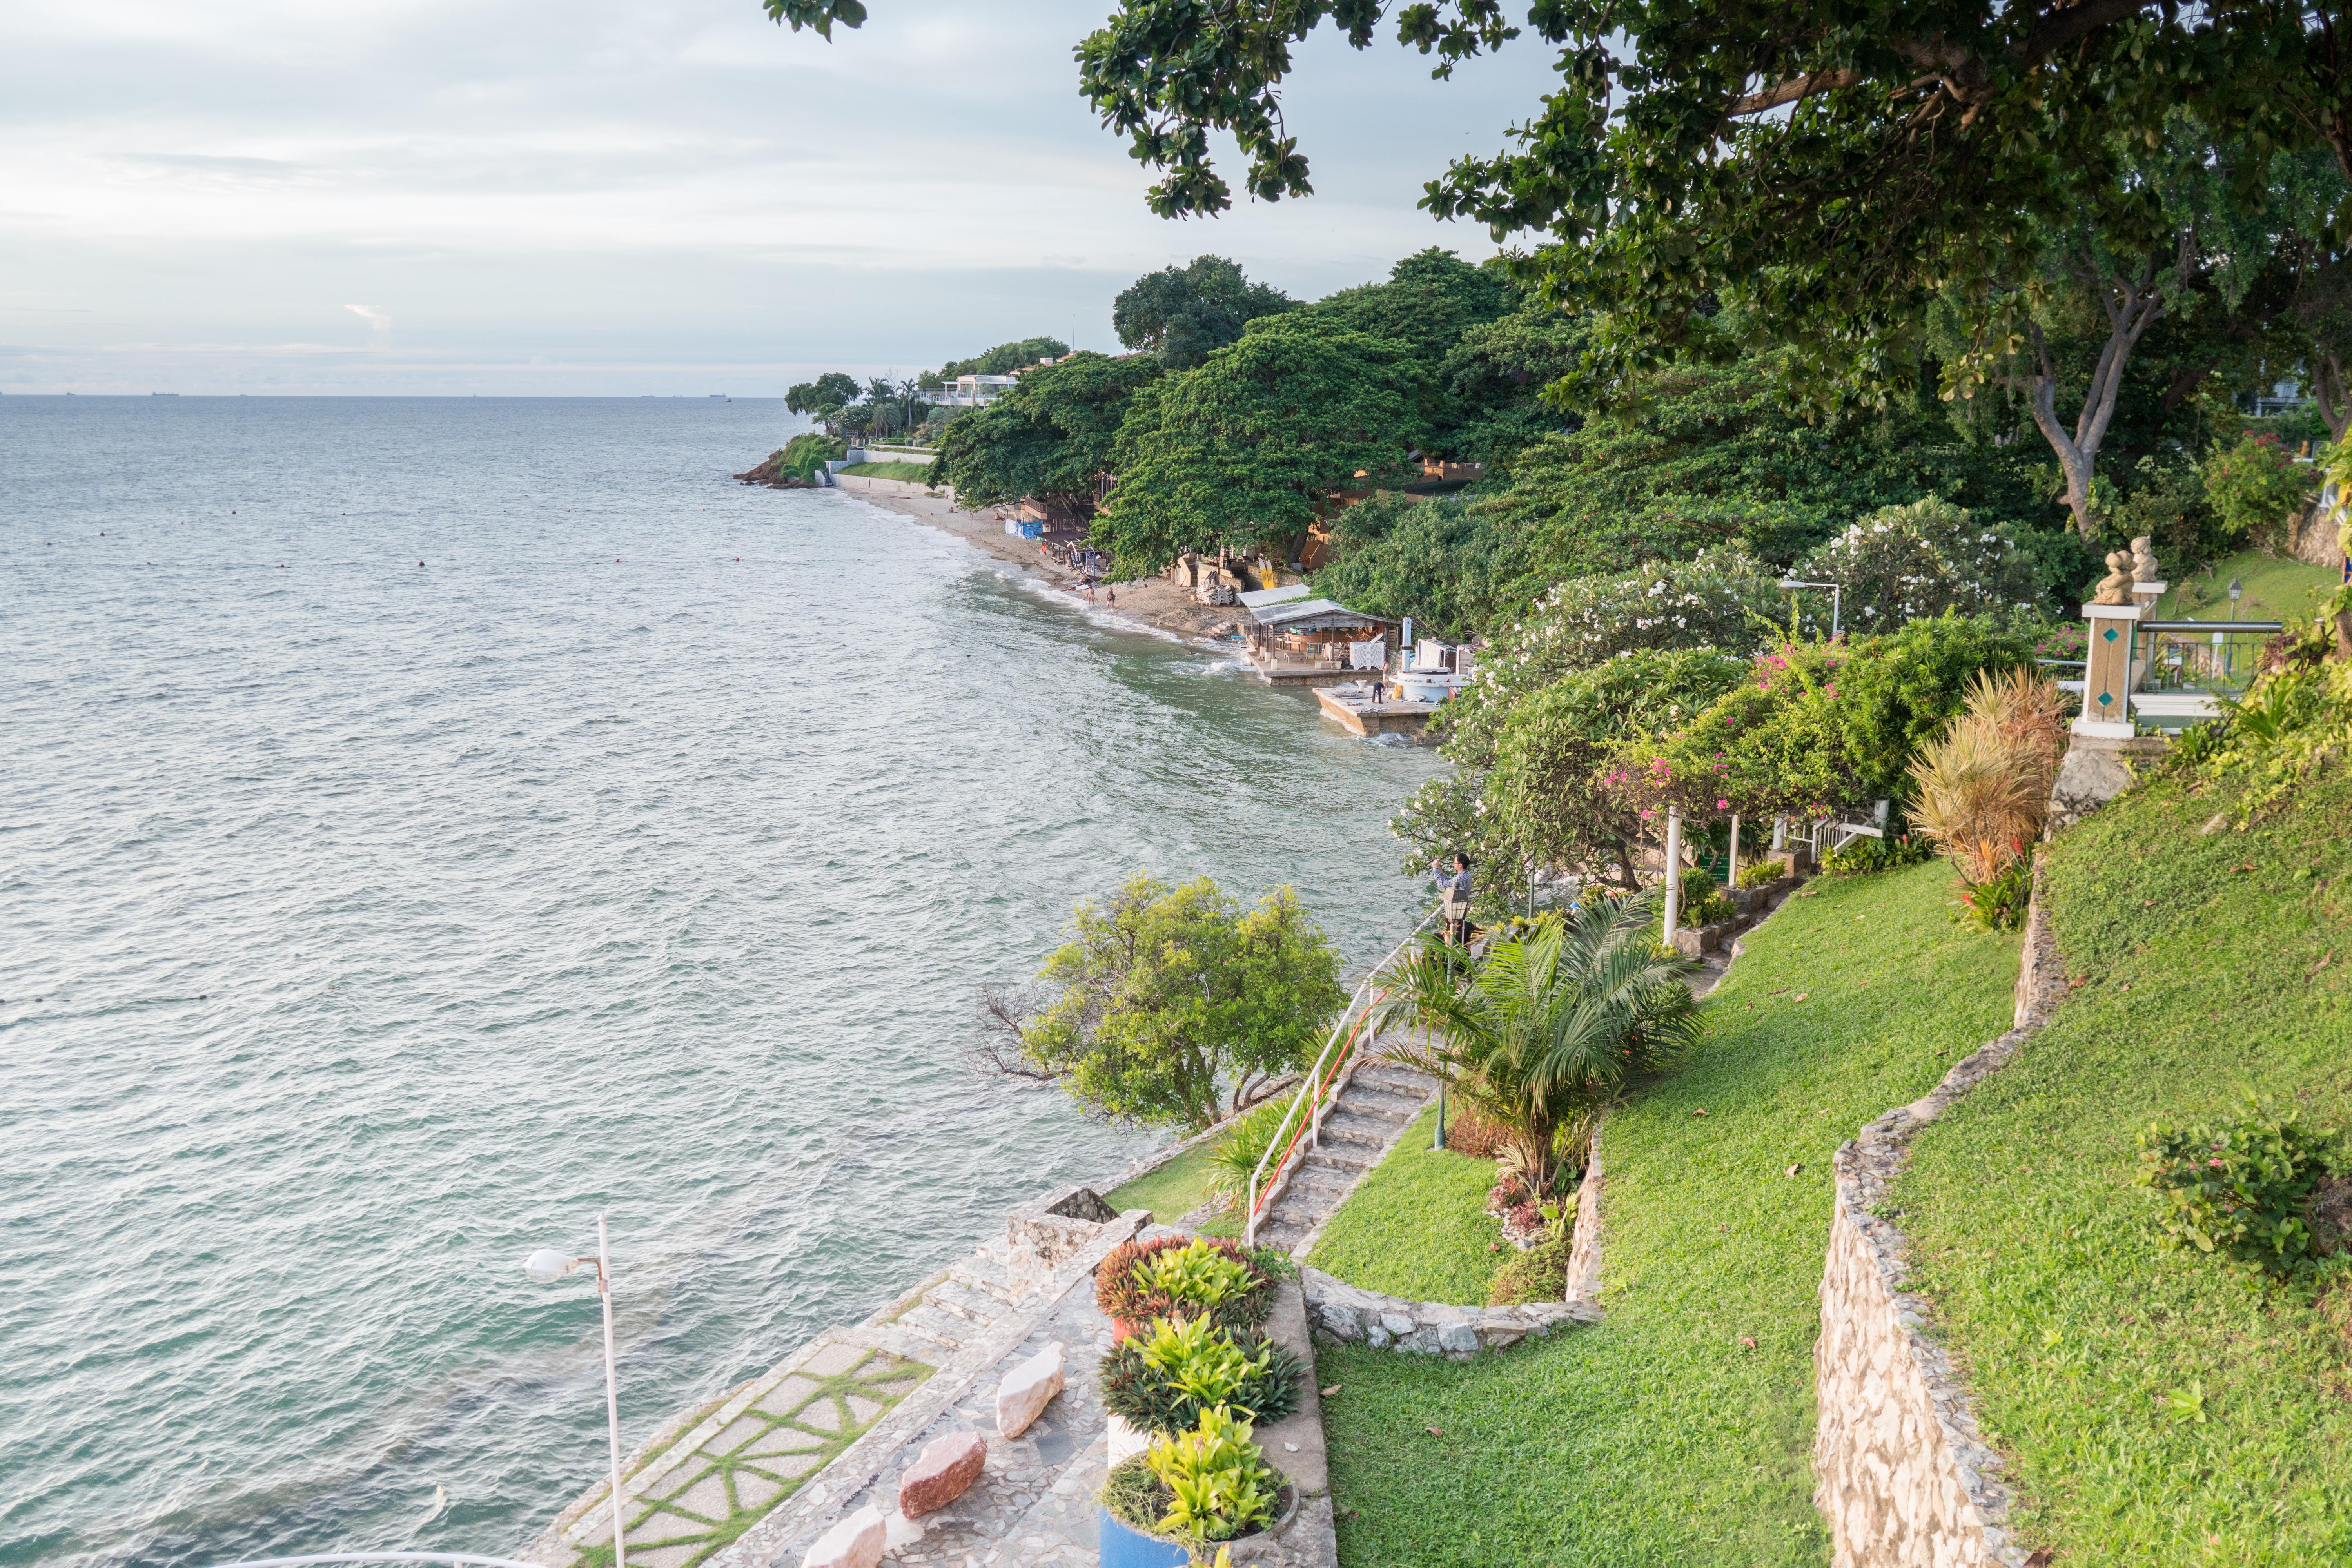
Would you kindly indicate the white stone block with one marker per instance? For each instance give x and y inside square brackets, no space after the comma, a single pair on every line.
[856,1543]
[1027,1389]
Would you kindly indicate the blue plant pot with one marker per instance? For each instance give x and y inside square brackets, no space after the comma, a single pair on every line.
[1125,1548]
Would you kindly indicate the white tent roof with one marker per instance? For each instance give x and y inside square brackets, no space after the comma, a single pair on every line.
[1264,596]
[1313,610]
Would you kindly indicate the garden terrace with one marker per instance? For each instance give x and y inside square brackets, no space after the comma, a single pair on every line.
[1680,1430]
[2154,1407]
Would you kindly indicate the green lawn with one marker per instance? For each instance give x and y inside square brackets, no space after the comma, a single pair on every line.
[2201,958]
[1431,1195]
[2275,590]
[1174,1189]
[1658,1436]
[920,473]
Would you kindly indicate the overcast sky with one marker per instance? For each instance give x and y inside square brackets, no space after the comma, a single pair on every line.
[608,197]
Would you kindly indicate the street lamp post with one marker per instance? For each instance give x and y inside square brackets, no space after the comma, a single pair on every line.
[1837,597]
[545,1267]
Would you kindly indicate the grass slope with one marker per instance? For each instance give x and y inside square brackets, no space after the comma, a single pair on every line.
[2276,589]
[1170,1192]
[1658,1438]
[2201,963]
[918,473]
[1437,1197]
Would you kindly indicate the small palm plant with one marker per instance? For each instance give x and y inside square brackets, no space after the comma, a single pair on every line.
[1547,1028]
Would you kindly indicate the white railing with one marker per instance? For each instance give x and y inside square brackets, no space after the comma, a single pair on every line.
[1309,1098]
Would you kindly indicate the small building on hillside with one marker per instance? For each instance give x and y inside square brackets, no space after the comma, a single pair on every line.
[1297,639]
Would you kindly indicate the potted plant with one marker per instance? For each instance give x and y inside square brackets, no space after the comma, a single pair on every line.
[1199,1276]
[1171,1504]
[1163,1381]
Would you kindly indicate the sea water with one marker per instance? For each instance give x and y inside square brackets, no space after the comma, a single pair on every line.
[426,824]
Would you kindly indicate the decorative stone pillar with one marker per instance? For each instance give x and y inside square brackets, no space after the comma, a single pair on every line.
[2107,675]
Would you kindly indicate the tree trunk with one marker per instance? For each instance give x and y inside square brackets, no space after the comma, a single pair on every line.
[2327,386]
[2132,307]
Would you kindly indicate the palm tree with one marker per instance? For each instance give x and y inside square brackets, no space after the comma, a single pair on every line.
[1545,1030]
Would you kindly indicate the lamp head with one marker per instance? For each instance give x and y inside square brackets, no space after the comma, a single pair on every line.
[2236,588]
[546,1265]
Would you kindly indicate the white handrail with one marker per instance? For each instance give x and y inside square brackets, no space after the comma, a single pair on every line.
[1310,1089]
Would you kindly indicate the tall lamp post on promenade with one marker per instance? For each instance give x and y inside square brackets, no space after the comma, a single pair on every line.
[545,1267]
[1837,598]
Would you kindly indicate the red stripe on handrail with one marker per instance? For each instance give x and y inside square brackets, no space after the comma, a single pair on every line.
[1338,1061]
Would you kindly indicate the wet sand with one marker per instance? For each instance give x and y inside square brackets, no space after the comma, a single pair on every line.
[1153,602]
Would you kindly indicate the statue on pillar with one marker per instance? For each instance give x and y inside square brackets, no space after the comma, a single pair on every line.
[2116,587]
[2143,562]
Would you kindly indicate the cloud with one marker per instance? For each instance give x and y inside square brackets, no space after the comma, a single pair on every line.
[679,175]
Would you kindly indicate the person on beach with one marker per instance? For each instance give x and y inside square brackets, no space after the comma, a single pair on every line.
[1454,893]
[1112,592]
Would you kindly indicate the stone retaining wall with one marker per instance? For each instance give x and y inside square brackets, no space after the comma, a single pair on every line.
[1903,1477]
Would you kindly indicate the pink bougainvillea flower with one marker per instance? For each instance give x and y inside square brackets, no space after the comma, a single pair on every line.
[1722,805]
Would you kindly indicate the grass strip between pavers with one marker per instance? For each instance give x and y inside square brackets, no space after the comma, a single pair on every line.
[1434,1195]
[1659,1437]
[2155,1409]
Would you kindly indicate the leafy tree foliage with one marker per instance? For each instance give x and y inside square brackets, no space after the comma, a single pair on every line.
[1822,727]
[825,395]
[1249,447]
[1722,601]
[1903,562]
[1003,359]
[1183,313]
[1050,436]
[1541,801]
[1171,998]
[1437,561]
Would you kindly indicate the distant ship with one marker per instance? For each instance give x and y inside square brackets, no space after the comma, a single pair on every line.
[720,397]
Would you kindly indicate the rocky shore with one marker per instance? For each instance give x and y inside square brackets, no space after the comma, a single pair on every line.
[768,471]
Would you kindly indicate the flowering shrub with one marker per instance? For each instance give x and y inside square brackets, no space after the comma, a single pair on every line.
[1721,600]
[1903,562]
[1820,728]
[2241,1187]
[1999,902]
[2256,486]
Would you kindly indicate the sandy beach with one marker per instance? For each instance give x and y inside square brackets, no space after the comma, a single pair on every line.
[1151,602]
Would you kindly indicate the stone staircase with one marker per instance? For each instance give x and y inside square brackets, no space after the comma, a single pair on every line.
[1377,1099]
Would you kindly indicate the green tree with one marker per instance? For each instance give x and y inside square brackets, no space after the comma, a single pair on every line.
[1544,1031]
[1184,313]
[1005,358]
[1250,447]
[824,396]
[1822,727]
[1902,564]
[1436,560]
[1173,1006]
[1050,436]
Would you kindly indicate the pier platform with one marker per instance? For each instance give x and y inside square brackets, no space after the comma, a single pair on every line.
[1351,707]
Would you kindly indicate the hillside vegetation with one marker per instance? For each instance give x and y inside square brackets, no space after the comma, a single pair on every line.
[2157,1408]
[1680,1430]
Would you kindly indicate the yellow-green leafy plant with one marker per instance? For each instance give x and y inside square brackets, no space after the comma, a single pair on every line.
[1160,1381]
[1218,1481]
[1984,787]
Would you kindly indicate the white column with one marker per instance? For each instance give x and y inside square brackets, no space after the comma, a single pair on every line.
[1731,871]
[1674,871]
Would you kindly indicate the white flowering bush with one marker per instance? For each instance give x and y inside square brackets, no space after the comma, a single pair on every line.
[1905,564]
[1721,601]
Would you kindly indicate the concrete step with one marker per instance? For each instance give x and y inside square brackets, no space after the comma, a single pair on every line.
[1355,1157]
[986,1275]
[944,1329]
[1282,1233]
[1396,1077]
[1376,1098]
[963,1301]
[1335,1180]
[1347,1126]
